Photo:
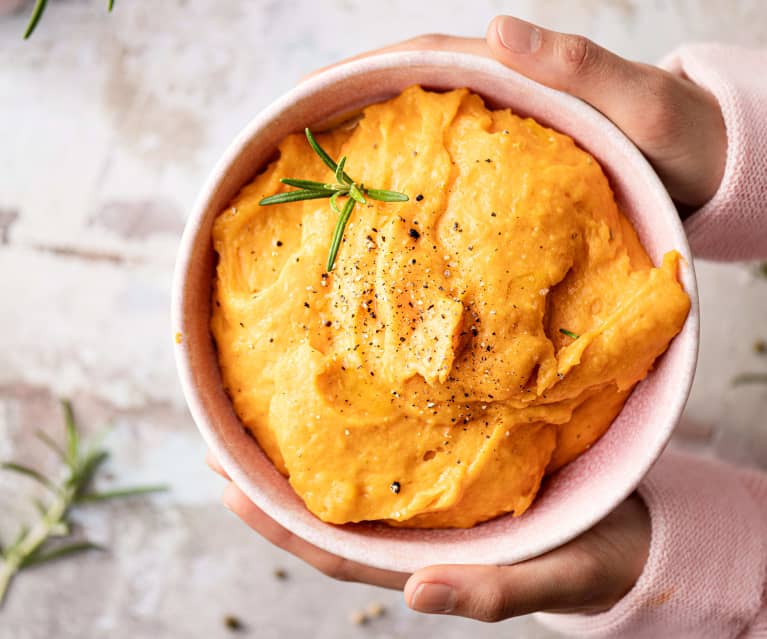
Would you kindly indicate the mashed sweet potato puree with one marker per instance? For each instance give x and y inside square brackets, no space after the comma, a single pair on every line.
[425,381]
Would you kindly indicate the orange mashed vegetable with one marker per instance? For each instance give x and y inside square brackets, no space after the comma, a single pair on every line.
[424,381]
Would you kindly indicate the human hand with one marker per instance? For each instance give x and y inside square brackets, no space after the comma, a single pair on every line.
[679,128]
[675,123]
[589,574]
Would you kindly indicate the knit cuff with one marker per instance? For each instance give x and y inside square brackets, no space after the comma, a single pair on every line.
[733,224]
[707,565]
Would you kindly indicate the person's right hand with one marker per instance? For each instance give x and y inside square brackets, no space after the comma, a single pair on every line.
[587,575]
[675,123]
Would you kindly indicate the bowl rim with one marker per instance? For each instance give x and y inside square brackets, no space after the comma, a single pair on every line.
[314,85]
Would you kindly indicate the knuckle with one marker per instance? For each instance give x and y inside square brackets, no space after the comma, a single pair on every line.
[430,41]
[589,563]
[598,569]
[342,572]
[493,616]
[334,567]
[595,576]
[577,53]
[493,608]
[281,538]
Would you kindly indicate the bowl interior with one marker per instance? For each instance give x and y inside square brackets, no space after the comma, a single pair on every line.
[574,498]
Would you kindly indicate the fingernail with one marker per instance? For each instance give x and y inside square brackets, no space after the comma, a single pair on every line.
[518,36]
[433,598]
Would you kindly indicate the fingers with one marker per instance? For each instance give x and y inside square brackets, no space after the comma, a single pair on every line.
[438,42]
[435,42]
[676,124]
[567,62]
[331,565]
[588,575]
[491,593]
[213,464]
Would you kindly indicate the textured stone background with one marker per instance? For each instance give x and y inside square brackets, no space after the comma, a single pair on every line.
[108,126]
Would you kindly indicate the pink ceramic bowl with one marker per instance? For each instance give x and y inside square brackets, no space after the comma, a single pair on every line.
[572,500]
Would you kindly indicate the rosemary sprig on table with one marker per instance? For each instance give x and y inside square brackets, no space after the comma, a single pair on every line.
[749,378]
[344,186]
[37,13]
[32,545]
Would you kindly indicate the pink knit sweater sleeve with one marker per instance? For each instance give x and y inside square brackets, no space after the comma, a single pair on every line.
[706,574]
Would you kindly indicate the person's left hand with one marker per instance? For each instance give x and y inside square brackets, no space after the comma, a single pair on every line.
[590,574]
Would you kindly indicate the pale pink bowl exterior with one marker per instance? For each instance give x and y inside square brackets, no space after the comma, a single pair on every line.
[572,500]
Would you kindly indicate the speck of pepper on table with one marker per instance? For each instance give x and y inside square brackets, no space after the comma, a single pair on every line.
[233,623]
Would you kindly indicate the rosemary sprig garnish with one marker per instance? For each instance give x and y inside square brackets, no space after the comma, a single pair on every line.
[344,186]
[39,9]
[32,545]
[570,334]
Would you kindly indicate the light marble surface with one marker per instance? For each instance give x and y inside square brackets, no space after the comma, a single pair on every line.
[108,126]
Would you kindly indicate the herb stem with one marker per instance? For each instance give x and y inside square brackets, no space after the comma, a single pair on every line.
[31,546]
[750,378]
[121,492]
[16,555]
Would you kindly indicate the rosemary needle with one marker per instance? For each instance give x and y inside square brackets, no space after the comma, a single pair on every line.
[295,196]
[343,186]
[37,13]
[324,156]
[570,334]
[39,9]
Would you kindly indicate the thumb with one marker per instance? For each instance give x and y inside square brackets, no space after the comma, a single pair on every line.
[675,123]
[569,63]
[493,593]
